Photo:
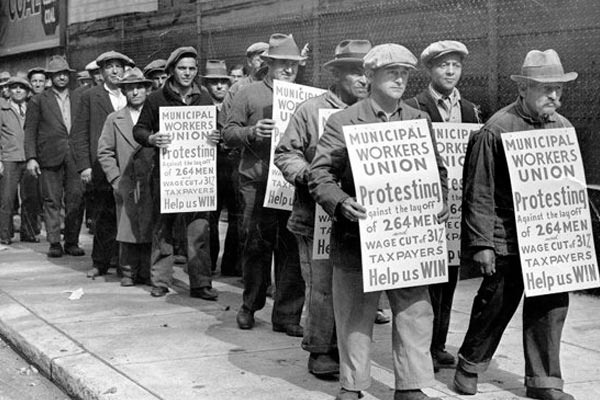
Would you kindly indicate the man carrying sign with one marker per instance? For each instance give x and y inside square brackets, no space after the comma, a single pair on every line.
[489,239]
[293,156]
[387,68]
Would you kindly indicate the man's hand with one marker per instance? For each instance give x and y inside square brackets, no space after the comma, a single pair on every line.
[214,137]
[443,215]
[352,211]
[485,260]
[33,168]
[264,128]
[162,140]
[86,175]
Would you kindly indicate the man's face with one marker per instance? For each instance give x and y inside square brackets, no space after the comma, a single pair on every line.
[284,70]
[445,72]
[136,94]
[352,82]
[236,75]
[60,79]
[112,71]
[38,82]
[217,88]
[255,61]
[185,71]
[158,79]
[18,92]
[541,98]
[390,81]
[97,77]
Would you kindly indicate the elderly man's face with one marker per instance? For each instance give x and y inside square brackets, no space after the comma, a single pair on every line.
[97,77]
[135,93]
[445,72]
[158,79]
[112,71]
[541,99]
[60,79]
[217,88]
[389,81]
[352,82]
[18,92]
[38,82]
[284,70]
[185,71]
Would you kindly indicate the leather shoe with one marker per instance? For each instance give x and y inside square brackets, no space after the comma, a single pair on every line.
[245,319]
[158,291]
[30,239]
[412,395]
[55,250]
[322,364]
[205,293]
[126,282]
[345,394]
[289,329]
[381,318]
[548,394]
[465,382]
[96,271]
[74,250]
[442,357]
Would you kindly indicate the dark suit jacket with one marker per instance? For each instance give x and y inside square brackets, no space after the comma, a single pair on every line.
[46,136]
[94,107]
[423,101]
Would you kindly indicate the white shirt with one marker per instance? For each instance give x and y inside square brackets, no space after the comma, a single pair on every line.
[135,114]
[117,98]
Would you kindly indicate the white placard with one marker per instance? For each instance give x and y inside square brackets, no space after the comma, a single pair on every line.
[452,139]
[286,98]
[397,180]
[551,211]
[188,167]
[322,230]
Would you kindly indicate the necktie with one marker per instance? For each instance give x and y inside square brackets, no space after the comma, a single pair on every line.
[21,111]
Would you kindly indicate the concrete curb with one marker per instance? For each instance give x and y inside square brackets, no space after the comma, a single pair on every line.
[63,360]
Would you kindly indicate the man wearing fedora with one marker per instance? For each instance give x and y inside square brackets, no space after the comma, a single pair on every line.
[250,127]
[217,81]
[115,149]
[489,239]
[50,116]
[444,103]
[331,183]
[96,104]
[179,90]
[293,155]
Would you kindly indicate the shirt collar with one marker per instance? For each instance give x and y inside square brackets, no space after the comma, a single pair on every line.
[454,96]
[379,112]
[62,95]
[522,112]
[115,92]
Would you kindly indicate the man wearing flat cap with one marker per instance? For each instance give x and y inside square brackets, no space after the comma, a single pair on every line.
[96,104]
[250,127]
[179,90]
[115,149]
[4,93]
[293,155]
[489,239]
[444,103]
[94,70]
[330,182]
[155,71]
[37,79]
[48,130]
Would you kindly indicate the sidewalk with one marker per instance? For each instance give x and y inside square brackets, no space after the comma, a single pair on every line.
[121,343]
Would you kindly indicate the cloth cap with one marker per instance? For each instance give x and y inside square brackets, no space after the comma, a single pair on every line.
[440,48]
[58,64]
[19,80]
[155,65]
[283,47]
[258,47]
[389,54]
[216,69]
[92,66]
[81,75]
[4,77]
[178,54]
[35,70]
[134,75]
[349,52]
[543,67]
[113,55]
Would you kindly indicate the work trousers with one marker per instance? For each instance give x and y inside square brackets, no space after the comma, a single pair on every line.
[10,180]
[105,251]
[134,259]
[31,206]
[264,233]
[442,295]
[412,319]
[57,183]
[319,326]
[198,250]
[543,319]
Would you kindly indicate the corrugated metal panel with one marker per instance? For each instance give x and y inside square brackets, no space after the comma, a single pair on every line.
[90,10]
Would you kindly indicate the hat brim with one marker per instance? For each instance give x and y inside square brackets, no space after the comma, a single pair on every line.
[143,81]
[429,59]
[343,61]
[153,70]
[568,77]
[400,64]
[125,61]
[54,71]
[283,57]
[216,77]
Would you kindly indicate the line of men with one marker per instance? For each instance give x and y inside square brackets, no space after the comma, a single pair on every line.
[102,149]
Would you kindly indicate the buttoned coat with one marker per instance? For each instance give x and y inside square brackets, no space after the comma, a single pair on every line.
[46,135]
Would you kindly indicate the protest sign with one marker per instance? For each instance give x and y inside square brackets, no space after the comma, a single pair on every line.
[452,140]
[397,180]
[322,231]
[286,97]
[188,167]
[551,211]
